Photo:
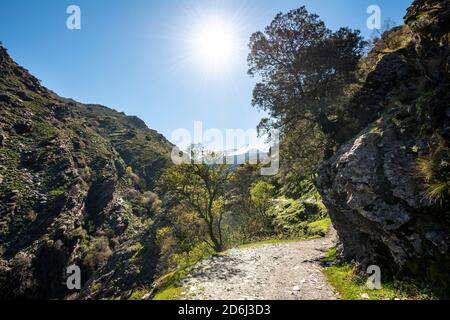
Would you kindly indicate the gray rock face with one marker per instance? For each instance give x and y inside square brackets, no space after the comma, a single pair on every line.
[373,188]
[375,197]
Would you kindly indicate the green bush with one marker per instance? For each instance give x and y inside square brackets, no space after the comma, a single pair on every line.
[97,254]
[57,192]
[319,228]
[292,217]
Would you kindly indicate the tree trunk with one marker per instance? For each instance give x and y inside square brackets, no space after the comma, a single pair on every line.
[330,128]
[217,244]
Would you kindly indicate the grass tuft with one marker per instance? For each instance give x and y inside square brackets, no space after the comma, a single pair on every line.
[352,286]
[170,293]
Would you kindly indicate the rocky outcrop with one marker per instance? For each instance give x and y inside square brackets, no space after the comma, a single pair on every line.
[375,193]
[65,197]
[376,199]
[131,267]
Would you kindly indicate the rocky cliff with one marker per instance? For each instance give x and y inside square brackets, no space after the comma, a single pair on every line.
[75,185]
[387,189]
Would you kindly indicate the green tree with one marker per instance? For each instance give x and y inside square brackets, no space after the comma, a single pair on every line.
[243,220]
[238,188]
[201,187]
[262,194]
[305,69]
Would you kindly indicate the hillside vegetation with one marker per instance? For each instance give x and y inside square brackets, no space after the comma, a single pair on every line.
[75,184]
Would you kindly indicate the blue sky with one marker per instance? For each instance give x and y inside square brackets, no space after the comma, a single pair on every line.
[133,55]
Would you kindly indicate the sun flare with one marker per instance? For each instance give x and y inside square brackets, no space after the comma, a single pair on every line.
[215,44]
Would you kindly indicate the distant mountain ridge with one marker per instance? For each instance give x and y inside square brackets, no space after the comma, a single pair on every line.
[248,153]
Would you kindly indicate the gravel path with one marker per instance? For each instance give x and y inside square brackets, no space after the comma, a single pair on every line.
[286,271]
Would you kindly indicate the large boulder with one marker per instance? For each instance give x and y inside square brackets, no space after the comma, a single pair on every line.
[375,197]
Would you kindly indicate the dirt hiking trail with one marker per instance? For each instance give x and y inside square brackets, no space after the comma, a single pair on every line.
[284,271]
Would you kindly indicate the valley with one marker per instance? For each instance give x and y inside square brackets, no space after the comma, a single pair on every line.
[359,179]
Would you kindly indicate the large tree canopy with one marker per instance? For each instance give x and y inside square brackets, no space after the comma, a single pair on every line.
[304,69]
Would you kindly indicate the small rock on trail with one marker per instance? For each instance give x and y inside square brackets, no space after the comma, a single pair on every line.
[285,271]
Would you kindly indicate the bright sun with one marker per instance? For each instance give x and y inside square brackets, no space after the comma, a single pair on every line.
[215,44]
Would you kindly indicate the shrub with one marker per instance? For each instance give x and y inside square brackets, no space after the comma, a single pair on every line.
[291,218]
[435,169]
[97,254]
[132,178]
[319,228]
[151,201]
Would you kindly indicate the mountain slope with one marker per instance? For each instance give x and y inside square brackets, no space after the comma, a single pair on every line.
[74,182]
